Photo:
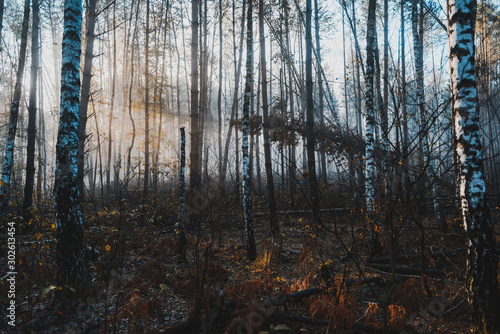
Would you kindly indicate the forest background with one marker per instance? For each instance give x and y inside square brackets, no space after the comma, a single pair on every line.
[324,135]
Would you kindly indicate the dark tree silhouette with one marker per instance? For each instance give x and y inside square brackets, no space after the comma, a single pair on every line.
[14,113]
[30,161]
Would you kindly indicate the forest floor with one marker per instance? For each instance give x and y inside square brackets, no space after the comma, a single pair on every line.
[310,280]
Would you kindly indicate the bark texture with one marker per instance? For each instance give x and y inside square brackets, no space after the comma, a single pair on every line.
[247,195]
[482,262]
[70,249]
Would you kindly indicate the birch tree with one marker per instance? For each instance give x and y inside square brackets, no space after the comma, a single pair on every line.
[370,126]
[70,249]
[482,262]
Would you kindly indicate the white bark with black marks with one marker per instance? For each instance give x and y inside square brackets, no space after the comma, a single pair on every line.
[482,261]
[70,250]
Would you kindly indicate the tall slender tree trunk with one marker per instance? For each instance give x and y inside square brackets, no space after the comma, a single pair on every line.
[257,141]
[247,194]
[178,80]
[370,126]
[160,98]
[482,261]
[311,161]
[292,150]
[426,161]
[188,91]
[219,94]
[385,110]
[112,106]
[146,108]
[85,93]
[14,113]
[204,98]
[30,156]
[404,112]
[346,105]
[130,97]
[234,105]
[417,51]
[273,219]
[195,170]
[2,7]
[324,176]
[70,249]
[41,185]
[358,72]
[182,196]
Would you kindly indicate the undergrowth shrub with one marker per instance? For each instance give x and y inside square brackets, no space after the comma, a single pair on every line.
[338,306]
[301,284]
[397,317]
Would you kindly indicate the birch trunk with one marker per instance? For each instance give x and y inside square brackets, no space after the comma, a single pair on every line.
[70,249]
[482,262]
[370,127]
